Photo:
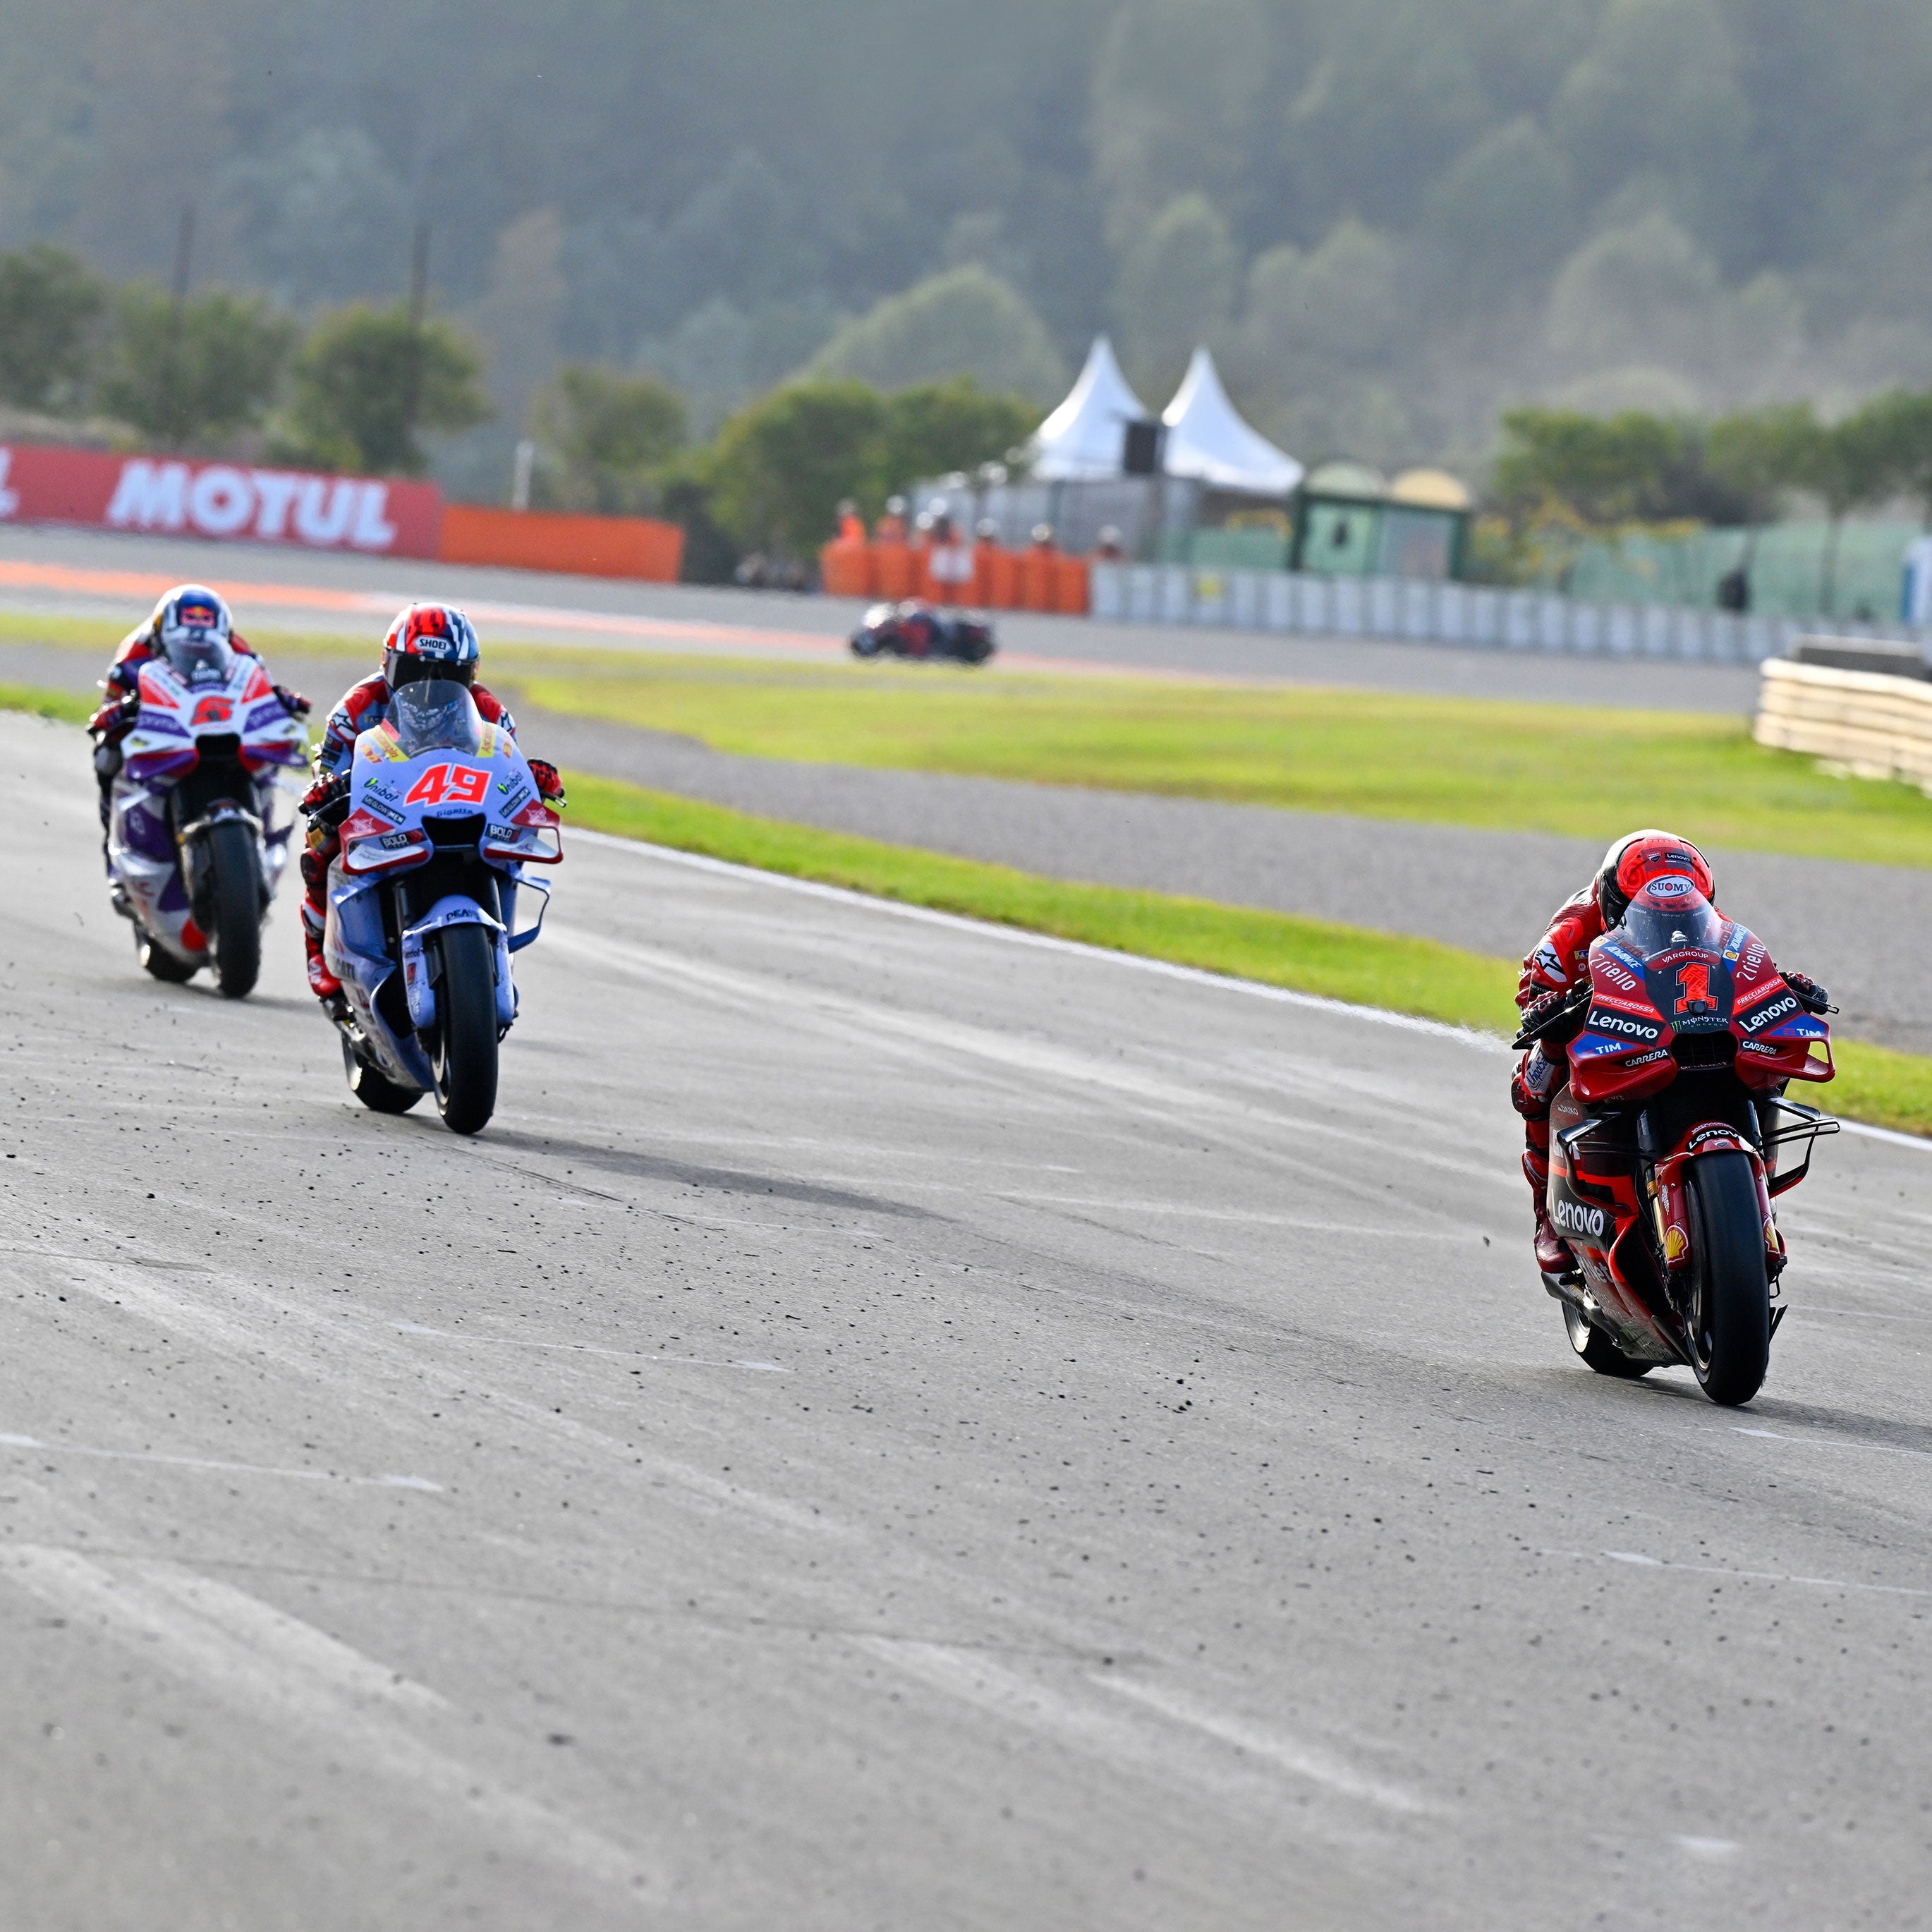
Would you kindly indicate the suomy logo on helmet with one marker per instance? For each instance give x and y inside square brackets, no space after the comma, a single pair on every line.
[1670,888]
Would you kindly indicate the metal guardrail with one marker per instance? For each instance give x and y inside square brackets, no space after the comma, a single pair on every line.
[1873,724]
[1300,604]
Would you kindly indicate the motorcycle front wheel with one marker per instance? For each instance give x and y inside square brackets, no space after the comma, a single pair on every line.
[236,927]
[463,1055]
[1729,1322]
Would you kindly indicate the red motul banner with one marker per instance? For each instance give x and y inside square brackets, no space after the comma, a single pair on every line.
[42,485]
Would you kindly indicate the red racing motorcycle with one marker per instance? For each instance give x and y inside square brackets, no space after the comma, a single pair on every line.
[1673,1139]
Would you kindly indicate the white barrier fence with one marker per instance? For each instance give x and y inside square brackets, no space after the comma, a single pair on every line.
[1407,609]
[1874,725]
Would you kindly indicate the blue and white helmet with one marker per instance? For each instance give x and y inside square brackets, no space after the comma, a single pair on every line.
[191,629]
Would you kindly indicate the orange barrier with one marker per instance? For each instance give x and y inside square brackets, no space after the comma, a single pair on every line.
[639,547]
[1002,579]
[845,569]
[894,570]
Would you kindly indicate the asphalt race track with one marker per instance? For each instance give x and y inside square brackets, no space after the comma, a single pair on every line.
[897,1425]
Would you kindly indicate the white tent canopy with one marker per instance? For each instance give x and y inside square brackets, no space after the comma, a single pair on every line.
[1082,440]
[1206,440]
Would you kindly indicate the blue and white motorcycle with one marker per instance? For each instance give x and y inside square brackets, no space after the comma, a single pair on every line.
[442,818]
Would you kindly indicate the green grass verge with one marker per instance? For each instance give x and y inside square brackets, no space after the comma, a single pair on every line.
[1308,955]
[1311,955]
[99,637]
[69,707]
[1521,766]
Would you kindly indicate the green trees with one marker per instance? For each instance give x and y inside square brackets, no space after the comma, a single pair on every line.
[190,371]
[49,301]
[607,434]
[780,467]
[369,381]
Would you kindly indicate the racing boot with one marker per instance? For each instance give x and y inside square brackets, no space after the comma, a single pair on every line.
[1552,1251]
[322,982]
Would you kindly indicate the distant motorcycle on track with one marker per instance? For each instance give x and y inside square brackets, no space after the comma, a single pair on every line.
[1673,1139]
[917,631]
[199,819]
[440,819]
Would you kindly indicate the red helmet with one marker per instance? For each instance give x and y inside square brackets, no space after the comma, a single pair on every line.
[429,640]
[1634,860]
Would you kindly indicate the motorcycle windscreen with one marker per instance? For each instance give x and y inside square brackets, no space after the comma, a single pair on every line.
[436,714]
[200,660]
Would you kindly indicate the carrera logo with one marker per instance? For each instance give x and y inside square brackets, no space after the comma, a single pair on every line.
[1757,1022]
[1572,1217]
[1603,1020]
[1645,1059]
[1759,1046]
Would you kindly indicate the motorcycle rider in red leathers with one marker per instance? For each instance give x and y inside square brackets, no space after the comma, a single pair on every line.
[1560,964]
[426,640]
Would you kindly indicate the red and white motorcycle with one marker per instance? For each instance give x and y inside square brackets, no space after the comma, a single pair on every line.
[200,815]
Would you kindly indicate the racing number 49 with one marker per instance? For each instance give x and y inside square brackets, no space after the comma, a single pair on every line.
[452,785]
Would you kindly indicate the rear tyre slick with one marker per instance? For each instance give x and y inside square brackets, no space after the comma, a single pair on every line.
[463,1055]
[237,924]
[1730,1320]
[1597,1349]
[375,1090]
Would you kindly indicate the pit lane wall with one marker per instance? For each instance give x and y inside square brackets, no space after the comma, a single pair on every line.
[304,509]
[1408,609]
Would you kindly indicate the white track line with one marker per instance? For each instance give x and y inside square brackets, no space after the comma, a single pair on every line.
[1481,1043]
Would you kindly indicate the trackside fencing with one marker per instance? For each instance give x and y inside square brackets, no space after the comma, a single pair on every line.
[1408,609]
[1873,724]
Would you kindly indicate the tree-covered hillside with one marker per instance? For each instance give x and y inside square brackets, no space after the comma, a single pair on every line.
[1390,216]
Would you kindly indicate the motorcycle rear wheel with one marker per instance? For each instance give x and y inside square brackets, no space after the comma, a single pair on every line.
[374,1088]
[1730,1320]
[1597,1349]
[463,1055]
[237,924]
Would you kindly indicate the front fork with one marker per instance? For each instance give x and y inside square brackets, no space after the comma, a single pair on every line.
[1663,1186]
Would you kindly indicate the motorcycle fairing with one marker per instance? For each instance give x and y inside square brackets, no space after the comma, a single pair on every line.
[397,796]
[176,713]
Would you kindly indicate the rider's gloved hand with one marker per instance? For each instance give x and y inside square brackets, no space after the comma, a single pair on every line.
[115,716]
[293,702]
[327,799]
[549,781]
[1811,996]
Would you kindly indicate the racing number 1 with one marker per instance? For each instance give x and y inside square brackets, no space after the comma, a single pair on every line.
[455,785]
[1694,988]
